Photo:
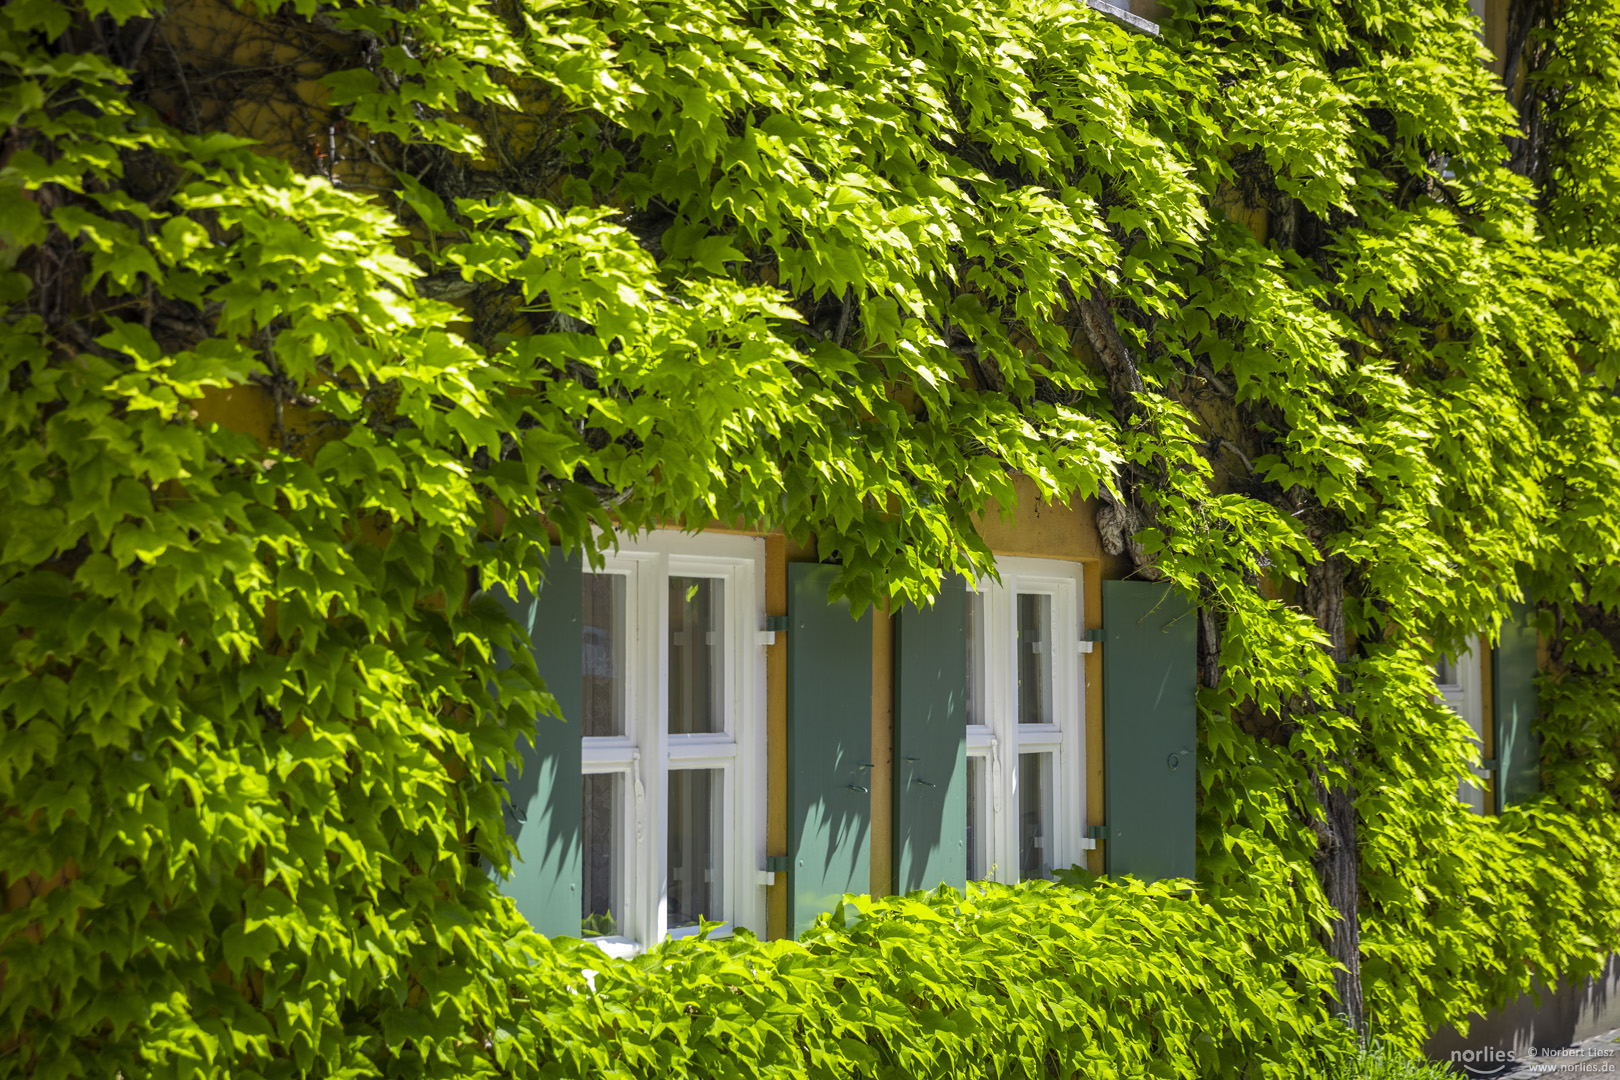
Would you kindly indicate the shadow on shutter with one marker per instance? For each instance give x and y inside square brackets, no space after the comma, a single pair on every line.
[930,753]
[1150,729]
[1513,695]
[547,796]
[829,725]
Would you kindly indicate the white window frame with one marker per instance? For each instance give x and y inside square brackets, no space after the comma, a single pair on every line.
[646,753]
[1466,698]
[1001,739]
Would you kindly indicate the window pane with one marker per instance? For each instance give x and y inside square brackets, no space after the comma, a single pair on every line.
[694,846]
[1034,816]
[975,658]
[1445,672]
[1034,659]
[976,833]
[604,653]
[1471,796]
[604,856]
[696,651]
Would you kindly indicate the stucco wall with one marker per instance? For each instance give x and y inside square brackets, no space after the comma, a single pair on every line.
[1541,1020]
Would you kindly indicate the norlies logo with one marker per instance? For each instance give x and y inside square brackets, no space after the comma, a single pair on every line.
[1488,1061]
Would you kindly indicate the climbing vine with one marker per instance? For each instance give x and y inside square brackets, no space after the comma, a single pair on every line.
[321,317]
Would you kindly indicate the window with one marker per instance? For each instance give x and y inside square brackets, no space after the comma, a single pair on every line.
[1026,778]
[673,745]
[1457,682]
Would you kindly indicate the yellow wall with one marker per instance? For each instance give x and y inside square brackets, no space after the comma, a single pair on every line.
[882,869]
[1496,31]
[247,409]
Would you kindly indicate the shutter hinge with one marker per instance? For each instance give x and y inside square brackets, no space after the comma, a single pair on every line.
[1091,640]
[774,624]
[1488,765]
[1097,832]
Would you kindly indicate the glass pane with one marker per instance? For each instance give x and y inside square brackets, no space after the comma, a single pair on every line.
[975,819]
[694,846]
[696,649]
[1034,659]
[604,855]
[604,654]
[1445,672]
[1034,816]
[975,658]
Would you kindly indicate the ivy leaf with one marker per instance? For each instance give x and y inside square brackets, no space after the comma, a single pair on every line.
[49,16]
[713,252]
[121,10]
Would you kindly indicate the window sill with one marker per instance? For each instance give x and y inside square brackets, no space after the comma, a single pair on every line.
[623,948]
[620,948]
[724,930]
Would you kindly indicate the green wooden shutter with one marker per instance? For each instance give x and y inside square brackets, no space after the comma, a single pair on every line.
[1513,698]
[829,743]
[930,742]
[547,795]
[1150,729]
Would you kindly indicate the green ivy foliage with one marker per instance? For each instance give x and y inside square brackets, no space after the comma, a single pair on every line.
[811,264]
[1078,979]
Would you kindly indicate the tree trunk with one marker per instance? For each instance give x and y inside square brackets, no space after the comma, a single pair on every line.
[1120,518]
[1337,861]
